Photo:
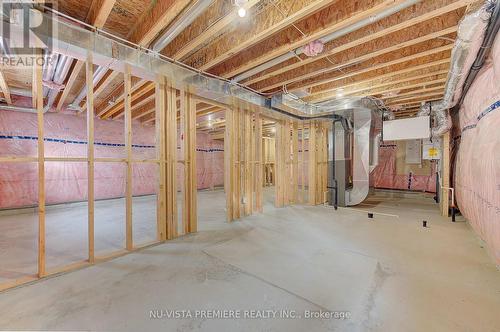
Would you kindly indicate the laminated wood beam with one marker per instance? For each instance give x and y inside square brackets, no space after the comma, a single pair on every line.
[38,77]
[418,13]
[4,87]
[264,24]
[89,77]
[128,147]
[368,52]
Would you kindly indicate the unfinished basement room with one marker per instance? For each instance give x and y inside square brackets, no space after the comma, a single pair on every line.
[250,165]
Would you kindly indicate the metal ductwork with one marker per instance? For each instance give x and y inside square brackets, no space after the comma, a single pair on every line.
[354,142]
[334,35]
[22,109]
[185,19]
[63,65]
[473,26]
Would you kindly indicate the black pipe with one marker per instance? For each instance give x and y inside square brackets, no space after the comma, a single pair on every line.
[484,51]
[436,198]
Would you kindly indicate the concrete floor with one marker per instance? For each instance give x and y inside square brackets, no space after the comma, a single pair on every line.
[389,273]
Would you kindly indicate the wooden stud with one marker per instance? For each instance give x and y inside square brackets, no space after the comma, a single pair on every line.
[89,76]
[128,147]
[247,148]
[229,164]
[259,163]
[237,164]
[445,175]
[160,113]
[312,164]
[295,163]
[183,146]
[193,184]
[171,155]
[4,87]
[37,80]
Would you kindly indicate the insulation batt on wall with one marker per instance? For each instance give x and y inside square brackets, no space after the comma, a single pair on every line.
[65,136]
[477,166]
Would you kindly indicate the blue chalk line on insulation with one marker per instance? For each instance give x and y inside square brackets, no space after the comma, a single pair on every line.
[65,141]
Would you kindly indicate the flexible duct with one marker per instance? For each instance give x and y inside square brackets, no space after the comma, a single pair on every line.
[472,27]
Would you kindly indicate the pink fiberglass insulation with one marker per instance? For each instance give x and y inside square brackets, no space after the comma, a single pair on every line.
[477,164]
[65,136]
[385,175]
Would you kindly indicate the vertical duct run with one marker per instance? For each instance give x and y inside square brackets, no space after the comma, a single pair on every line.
[362,120]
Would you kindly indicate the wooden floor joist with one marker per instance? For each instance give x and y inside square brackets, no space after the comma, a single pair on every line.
[406,18]
[353,60]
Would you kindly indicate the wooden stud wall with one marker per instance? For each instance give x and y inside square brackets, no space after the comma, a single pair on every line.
[166,159]
[318,163]
[243,161]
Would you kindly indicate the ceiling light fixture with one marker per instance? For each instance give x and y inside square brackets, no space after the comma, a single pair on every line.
[242,12]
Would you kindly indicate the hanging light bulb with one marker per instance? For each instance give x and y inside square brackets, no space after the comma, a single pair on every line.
[242,12]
